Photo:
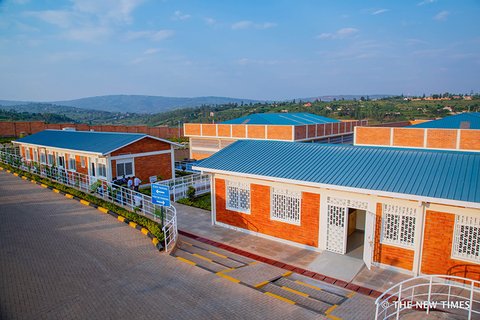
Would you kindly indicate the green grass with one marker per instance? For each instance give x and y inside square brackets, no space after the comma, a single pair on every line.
[202,202]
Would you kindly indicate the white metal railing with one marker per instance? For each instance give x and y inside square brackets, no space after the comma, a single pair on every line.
[114,193]
[186,166]
[440,292]
[179,186]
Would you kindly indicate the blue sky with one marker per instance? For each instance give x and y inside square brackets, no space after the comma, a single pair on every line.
[269,49]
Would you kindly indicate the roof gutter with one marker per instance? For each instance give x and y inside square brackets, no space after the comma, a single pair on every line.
[405,196]
[52,147]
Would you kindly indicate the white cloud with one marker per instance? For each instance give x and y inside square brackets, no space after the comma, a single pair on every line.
[379,11]
[178,15]
[247,24]
[441,16]
[87,34]
[151,51]
[424,2]
[153,35]
[59,18]
[210,21]
[339,34]
[108,10]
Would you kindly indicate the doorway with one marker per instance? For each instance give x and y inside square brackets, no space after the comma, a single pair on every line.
[356,233]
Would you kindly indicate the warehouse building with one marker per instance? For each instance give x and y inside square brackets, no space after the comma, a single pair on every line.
[105,155]
[412,210]
[206,139]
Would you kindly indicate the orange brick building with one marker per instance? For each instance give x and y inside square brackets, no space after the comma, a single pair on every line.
[415,211]
[105,155]
[206,139]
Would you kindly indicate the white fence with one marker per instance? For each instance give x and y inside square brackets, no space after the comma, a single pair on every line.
[179,186]
[119,195]
[460,296]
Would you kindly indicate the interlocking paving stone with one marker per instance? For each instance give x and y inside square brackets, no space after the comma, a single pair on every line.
[63,260]
[228,263]
[317,294]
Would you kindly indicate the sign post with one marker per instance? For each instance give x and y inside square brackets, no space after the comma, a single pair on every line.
[161,195]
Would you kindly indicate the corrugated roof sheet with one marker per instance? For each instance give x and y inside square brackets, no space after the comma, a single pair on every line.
[429,173]
[467,120]
[89,141]
[296,119]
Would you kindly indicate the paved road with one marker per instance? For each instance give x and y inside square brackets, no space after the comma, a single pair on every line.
[62,260]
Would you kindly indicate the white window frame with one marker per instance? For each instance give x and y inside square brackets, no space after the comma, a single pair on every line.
[83,161]
[462,223]
[71,159]
[235,189]
[395,219]
[43,157]
[283,199]
[101,162]
[123,161]
[60,155]
[35,155]
[50,156]
[27,154]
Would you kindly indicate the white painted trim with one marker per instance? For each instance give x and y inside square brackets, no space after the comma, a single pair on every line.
[425,138]
[355,135]
[205,149]
[231,131]
[391,136]
[216,129]
[172,160]
[418,254]
[348,189]
[240,138]
[213,199]
[246,131]
[420,148]
[144,154]
[324,129]
[293,133]
[266,132]
[262,235]
[459,133]
[201,129]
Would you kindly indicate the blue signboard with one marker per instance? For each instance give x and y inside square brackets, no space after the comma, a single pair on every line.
[161,195]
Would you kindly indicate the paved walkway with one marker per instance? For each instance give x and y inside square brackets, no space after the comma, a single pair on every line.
[62,260]
[198,222]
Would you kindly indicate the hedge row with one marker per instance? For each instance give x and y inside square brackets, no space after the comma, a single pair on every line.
[154,227]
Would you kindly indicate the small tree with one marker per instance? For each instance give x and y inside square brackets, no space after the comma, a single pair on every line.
[191,193]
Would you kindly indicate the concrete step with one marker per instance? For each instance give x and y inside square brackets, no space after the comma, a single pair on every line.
[291,296]
[207,247]
[312,291]
[199,260]
[219,258]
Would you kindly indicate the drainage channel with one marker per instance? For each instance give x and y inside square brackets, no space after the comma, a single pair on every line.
[272,281]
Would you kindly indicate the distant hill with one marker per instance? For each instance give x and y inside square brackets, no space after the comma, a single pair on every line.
[346,97]
[136,103]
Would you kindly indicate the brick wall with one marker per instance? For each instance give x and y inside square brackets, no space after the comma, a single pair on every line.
[144,145]
[259,218]
[15,128]
[437,246]
[157,165]
[387,254]
[256,132]
[279,132]
[419,138]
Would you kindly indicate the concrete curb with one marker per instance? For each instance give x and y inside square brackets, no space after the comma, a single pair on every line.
[337,282]
[131,224]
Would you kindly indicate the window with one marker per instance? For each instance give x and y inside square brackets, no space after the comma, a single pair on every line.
[398,225]
[285,205]
[43,157]
[124,169]
[466,238]
[83,162]
[72,164]
[35,155]
[238,196]
[102,170]
[51,159]
[27,154]
[61,161]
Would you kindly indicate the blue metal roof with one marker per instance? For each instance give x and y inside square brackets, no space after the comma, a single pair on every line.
[438,174]
[88,141]
[295,119]
[467,120]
